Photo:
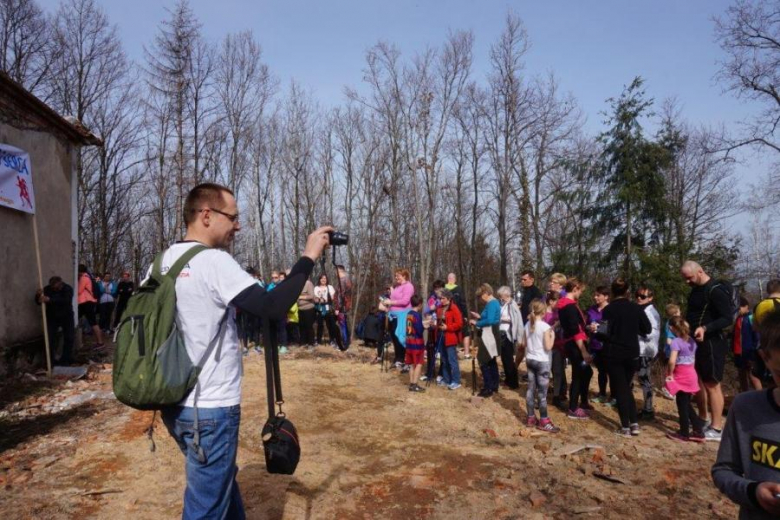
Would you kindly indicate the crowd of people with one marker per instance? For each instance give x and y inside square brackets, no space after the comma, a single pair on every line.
[622,338]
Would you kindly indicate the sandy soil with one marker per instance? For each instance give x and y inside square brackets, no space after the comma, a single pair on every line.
[371,449]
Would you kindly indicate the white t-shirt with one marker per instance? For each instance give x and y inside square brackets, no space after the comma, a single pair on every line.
[204,290]
[322,292]
[534,342]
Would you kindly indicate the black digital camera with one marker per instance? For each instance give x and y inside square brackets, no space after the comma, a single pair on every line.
[338,238]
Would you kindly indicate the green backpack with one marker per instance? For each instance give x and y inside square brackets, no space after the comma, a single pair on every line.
[152,369]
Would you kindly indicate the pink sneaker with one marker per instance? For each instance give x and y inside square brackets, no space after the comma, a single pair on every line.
[579,413]
[531,422]
[546,425]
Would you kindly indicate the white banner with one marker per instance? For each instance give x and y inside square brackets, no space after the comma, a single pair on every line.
[16,187]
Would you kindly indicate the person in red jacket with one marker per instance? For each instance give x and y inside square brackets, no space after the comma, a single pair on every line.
[450,322]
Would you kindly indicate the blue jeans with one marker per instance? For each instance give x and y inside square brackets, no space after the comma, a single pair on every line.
[212,490]
[450,367]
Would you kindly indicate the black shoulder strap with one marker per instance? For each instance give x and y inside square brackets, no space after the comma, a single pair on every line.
[273,375]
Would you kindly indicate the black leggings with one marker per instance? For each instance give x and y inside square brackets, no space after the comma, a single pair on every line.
[400,350]
[687,414]
[603,377]
[306,320]
[621,373]
[558,373]
[330,321]
[581,374]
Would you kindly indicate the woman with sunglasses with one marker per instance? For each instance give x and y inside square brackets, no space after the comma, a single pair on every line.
[648,350]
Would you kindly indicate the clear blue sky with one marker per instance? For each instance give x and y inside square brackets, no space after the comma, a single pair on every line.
[594,47]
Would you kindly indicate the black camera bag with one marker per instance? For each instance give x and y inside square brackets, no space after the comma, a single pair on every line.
[280,442]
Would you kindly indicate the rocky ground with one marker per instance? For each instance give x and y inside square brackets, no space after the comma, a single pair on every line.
[371,449]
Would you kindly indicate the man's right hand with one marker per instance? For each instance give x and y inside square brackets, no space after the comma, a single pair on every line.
[317,242]
[766,494]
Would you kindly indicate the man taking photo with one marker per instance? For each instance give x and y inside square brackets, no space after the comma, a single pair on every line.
[208,290]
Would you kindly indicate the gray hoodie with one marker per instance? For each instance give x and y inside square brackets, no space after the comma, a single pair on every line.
[749,451]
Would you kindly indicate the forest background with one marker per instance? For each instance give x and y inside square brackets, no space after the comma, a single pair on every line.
[426,163]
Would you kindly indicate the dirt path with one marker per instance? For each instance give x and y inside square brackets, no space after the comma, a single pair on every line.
[371,449]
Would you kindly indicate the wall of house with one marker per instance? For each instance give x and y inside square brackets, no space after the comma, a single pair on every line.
[20,317]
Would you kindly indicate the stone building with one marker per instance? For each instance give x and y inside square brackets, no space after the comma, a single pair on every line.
[52,143]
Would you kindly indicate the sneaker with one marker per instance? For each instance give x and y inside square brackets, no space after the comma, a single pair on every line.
[416,388]
[623,432]
[711,434]
[677,437]
[697,436]
[546,425]
[453,386]
[666,395]
[634,429]
[579,413]
[439,379]
[440,382]
[612,403]
[532,421]
[600,399]
[405,369]
[423,378]
[282,350]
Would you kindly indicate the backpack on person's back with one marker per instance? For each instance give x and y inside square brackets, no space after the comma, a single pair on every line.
[152,368]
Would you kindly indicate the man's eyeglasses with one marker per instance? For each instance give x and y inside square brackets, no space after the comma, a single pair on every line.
[232,218]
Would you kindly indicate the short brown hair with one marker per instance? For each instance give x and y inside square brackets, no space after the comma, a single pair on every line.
[203,195]
[485,288]
[769,329]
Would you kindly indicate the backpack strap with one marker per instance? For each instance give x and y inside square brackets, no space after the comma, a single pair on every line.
[216,342]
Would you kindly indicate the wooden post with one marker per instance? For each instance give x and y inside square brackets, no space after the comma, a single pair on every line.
[43,304]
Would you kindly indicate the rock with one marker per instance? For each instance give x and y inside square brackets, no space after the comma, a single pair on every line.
[537,499]
[544,447]
[599,456]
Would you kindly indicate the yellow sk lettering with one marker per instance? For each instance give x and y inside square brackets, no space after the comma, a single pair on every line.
[756,451]
[766,454]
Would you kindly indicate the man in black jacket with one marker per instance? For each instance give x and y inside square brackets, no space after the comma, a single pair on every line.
[58,297]
[530,293]
[709,312]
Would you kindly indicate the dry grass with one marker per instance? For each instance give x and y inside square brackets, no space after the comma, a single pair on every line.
[371,449]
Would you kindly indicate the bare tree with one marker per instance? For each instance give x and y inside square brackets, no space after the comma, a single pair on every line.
[749,34]
[168,62]
[27,47]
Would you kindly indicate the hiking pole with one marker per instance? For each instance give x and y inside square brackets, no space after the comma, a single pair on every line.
[383,367]
[473,362]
